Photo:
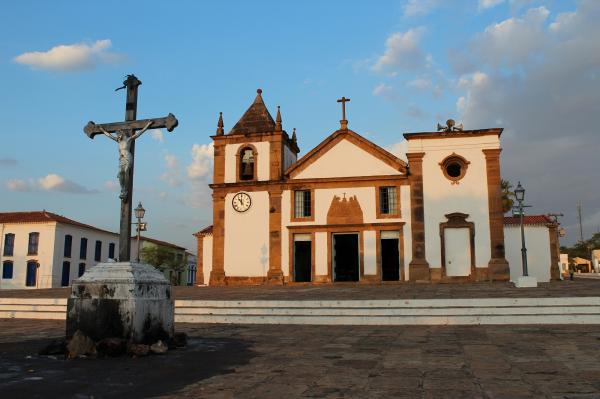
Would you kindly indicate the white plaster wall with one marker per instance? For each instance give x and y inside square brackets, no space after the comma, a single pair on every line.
[345,159]
[470,196]
[537,242]
[406,215]
[263,149]
[50,252]
[288,157]
[321,254]
[207,247]
[247,237]
[370,253]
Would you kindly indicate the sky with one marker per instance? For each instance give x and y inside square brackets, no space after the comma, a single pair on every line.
[531,67]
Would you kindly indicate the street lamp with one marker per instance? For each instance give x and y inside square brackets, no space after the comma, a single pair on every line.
[140,226]
[525,280]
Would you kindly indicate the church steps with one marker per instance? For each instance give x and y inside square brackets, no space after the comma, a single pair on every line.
[468,311]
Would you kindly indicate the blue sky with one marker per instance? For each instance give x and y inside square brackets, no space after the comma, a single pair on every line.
[529,66]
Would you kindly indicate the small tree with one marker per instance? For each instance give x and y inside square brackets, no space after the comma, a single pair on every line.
[163,259]
[508,196]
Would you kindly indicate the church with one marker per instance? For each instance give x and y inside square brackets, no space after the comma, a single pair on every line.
[350,211]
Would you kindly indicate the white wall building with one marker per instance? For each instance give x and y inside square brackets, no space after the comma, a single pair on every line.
[46,250]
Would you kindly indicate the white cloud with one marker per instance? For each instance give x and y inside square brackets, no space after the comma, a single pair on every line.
[54,182]
[385,91]
[513,41]
[417,8]
[485,4]
[402,52]
[157,135]
[111,185]
[419,84]
[547,107]
[71,57]
[172,175]
[202,159]
[399,149]
[18,185]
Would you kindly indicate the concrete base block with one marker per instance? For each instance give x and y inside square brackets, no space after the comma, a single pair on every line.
[526,282]
[125,299]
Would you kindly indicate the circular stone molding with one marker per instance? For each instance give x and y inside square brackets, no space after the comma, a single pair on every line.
[454,167]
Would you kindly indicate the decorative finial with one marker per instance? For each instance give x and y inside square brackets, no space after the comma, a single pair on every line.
[220,125]
[344,121]
[278,120]
[294,139]
[259,91]
[451,126]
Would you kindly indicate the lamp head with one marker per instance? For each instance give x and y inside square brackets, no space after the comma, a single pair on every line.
[139,211]
[520,193]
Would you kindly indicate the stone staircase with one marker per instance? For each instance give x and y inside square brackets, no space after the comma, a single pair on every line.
[475,311]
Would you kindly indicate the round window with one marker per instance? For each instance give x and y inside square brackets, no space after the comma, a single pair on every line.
[454,167]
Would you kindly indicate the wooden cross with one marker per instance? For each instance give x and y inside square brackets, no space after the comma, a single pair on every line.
[344,122]
[125,134]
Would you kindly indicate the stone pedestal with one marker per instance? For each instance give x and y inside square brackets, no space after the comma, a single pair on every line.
[526,282]
[127,300]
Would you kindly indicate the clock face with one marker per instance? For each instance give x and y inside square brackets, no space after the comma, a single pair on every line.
[241,202]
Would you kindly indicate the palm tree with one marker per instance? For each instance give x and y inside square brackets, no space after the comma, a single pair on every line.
[507,195]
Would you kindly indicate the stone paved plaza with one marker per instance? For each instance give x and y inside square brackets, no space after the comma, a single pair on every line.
[341,291]
[234,361]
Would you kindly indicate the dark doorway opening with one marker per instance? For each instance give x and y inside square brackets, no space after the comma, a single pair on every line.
[31,277]
[345,257]
[302,261]
[66,274]
[390,259]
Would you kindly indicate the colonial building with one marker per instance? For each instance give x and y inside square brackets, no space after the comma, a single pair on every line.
[349,210]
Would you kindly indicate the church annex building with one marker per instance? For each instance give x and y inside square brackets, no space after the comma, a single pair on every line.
[350,211]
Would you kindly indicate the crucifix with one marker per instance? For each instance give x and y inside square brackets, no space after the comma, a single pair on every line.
[125,133]
[344,122]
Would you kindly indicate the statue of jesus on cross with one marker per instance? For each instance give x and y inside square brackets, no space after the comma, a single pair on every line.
[124,138]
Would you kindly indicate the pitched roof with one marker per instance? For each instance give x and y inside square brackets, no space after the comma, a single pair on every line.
[356,139]
[158,242]
[256,119]
[205,231]
[527,219]
[43,217]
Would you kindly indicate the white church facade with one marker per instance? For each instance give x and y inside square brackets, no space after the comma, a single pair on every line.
[350,211]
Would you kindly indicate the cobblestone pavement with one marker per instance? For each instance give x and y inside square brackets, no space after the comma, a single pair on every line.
[235,361]
[578,288]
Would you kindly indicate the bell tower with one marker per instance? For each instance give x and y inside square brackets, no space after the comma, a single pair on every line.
[249,161]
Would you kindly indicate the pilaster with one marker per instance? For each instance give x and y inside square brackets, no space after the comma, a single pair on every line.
[275,274]
[418,266]
[217,274]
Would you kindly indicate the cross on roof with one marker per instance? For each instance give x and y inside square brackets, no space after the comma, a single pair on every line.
[343,122]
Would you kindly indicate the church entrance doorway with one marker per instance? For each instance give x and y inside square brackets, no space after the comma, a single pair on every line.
[345,257]
[458,252]
[390,256]
[302,257]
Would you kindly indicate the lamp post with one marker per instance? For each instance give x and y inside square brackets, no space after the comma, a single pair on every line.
[525,280]
[520,196]
[140,226]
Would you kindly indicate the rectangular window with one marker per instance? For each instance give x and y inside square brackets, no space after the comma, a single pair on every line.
[68,245]
[111,250]
[83,248]
[66,274]
[9,244]
[302,204]
[388,200]
[34,240]
[98,251]
[7,270]
[81,269]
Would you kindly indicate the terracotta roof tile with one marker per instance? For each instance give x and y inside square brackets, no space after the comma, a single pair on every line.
[527,219]
[158,242]
[43,217]
[205,231]
[256,119]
